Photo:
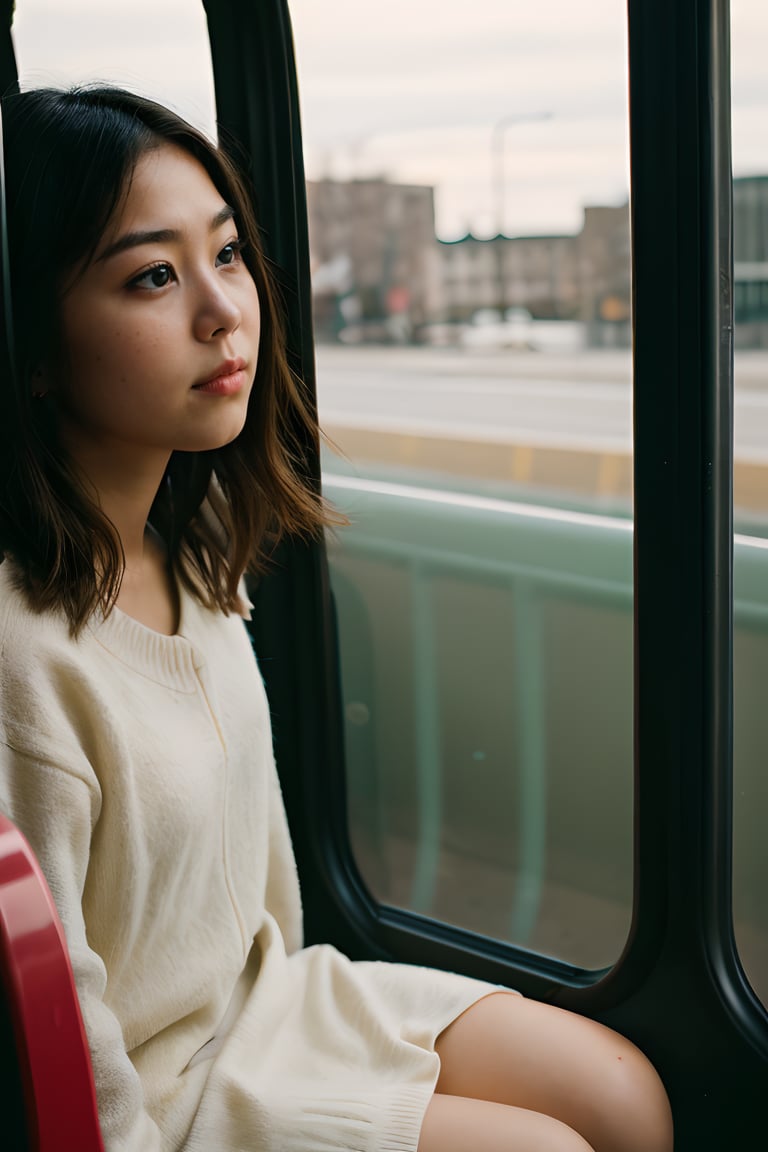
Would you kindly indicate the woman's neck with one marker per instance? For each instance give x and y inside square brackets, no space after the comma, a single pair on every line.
[148,590]
[125,486]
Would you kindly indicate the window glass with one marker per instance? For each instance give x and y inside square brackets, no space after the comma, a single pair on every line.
[749,35]
[469,236]
[158,50]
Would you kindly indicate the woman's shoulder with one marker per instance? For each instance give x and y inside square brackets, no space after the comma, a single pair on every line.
[29,637]
[19,622]
[41,676]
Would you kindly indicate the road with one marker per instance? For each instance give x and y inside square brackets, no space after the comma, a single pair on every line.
[578,400]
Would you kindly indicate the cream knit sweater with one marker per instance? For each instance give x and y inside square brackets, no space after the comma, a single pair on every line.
[140,768]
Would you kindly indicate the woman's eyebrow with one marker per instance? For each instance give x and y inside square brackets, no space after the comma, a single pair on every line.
[160,235]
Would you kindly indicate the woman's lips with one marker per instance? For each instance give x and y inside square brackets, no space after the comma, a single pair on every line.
[229,379]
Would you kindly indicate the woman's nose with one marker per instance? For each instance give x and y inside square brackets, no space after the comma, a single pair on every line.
[217,312]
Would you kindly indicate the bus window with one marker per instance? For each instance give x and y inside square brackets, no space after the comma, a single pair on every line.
[749,29]
[469,241]
[159,50]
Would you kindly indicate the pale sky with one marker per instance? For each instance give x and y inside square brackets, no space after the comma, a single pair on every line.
[412,90]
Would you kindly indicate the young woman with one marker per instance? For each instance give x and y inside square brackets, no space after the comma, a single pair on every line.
[147,460]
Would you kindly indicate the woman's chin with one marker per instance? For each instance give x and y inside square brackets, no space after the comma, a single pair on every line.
[217,434]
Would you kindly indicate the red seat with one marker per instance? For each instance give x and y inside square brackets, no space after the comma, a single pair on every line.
[36,979]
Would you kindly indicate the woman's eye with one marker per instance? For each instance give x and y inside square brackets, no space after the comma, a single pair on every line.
[156,277]
[230,253]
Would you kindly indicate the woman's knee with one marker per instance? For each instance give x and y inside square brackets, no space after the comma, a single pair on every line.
[534,1056]
[636,1114]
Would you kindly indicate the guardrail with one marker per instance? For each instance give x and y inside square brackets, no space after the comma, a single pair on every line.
[534,554]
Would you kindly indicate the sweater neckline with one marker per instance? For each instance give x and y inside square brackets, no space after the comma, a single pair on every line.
[169,660]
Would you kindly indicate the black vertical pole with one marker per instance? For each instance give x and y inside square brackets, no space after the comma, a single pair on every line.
[683,400]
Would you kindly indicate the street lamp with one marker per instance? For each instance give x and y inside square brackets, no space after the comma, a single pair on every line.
[498,183]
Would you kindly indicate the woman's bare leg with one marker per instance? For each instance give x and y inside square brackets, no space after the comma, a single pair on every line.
[533,1056]
[458,1124]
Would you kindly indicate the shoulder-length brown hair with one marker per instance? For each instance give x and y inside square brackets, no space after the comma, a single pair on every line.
[69,157]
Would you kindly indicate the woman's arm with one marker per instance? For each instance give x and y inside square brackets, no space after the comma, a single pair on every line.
[57,807]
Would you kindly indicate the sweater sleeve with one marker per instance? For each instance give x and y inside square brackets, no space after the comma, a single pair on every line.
[56,807]
[283,899]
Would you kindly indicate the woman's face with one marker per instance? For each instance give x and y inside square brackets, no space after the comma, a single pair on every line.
[159,336]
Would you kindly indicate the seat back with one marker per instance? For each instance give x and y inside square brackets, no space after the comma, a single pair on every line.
[38,989]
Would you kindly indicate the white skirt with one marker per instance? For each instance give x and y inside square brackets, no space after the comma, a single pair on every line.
[327,1054]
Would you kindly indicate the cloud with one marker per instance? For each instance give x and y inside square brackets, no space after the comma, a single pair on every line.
[415,92]
[414,89]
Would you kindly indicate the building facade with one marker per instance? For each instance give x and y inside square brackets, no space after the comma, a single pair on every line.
[379,273]
[605,275]
[375,272]
[585,276]
[750,259]
[538,273]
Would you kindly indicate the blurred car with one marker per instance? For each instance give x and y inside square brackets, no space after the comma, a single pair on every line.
[519,330]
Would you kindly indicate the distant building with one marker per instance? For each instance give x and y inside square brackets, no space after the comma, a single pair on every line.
[372,250]
[538,273]
[605,275]
[584,277]
[379,273]
[750,257]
